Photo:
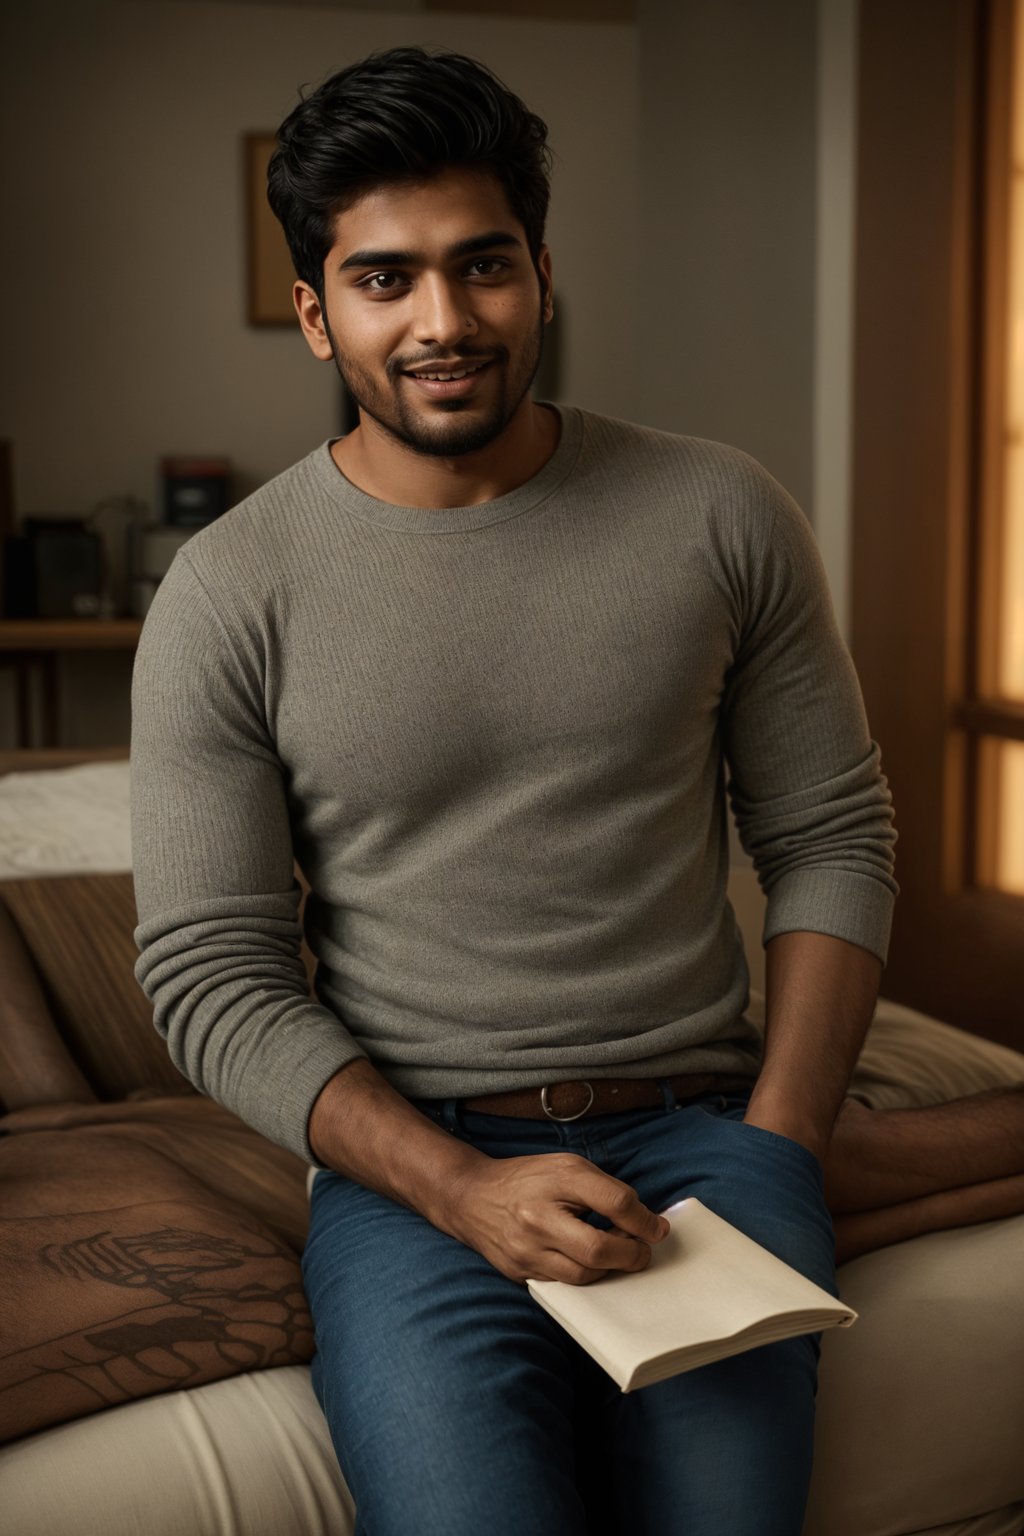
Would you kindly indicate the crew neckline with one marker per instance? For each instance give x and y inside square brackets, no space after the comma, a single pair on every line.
[431,520]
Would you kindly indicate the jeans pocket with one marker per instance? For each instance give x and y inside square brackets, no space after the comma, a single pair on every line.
[718,1105]
[784,1143]
[433,1110]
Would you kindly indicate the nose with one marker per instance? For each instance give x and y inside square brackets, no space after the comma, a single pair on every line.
[443,313]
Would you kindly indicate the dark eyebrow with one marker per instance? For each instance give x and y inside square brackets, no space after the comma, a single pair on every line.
[471,247]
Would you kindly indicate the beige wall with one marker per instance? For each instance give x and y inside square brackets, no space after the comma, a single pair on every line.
[746,180]
[727,185]
[833,353]
[124,283]
[122,278]
[701,225]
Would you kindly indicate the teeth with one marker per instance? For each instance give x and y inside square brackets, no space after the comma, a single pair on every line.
[461,374]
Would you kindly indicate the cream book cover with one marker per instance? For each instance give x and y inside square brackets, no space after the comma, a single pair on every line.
[709,1291]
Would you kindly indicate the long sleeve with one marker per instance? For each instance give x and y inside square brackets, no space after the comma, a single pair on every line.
[812,807]
[492,736]
[213,859]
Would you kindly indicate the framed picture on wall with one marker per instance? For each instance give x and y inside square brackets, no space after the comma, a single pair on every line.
[271,273]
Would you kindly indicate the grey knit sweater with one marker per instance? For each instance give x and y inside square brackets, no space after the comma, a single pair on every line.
[497,740]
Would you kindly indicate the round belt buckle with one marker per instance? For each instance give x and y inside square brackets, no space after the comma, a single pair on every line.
[550,1112]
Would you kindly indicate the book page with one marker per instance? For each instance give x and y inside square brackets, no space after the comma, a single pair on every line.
[707,1281]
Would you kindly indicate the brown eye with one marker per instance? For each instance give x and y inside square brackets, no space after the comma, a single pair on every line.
[383,285]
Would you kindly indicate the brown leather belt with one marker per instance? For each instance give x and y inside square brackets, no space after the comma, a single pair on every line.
[572,1100]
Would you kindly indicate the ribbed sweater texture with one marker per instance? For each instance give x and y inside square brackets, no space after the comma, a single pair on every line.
[499,741]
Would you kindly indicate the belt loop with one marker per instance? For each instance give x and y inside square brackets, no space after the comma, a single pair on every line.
[667,1093]
[451,1115]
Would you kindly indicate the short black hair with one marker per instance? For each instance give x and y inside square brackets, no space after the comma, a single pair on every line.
[401,114]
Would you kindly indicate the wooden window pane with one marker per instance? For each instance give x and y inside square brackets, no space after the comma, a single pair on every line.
[1001,814]
[1011,636]
[1011,597]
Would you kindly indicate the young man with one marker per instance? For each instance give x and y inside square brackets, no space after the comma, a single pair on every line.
[483,665]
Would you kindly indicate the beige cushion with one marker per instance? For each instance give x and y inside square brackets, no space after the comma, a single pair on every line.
[910,1059]
[247,1456]
[921,1404]
[920,1408]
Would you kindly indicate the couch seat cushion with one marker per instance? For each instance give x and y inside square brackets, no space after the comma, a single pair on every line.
[250,1454]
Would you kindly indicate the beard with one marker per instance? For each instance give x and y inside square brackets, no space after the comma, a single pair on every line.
[443,429]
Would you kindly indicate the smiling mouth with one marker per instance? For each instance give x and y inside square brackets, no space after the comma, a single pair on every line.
[443,375]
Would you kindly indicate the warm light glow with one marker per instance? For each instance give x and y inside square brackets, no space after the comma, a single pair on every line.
[1011,606]
[1010,677]
[1000,759]
[1008,779]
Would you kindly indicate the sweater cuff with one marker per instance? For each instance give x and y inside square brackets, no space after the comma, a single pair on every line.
[308,1080]
[838,902]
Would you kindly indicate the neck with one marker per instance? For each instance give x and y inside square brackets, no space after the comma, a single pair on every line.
[383,467]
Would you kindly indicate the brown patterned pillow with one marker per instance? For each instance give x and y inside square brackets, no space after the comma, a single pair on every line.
[125,1274]
[78,934]
[78,931]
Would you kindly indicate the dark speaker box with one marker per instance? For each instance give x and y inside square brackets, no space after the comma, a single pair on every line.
[19,578]
[195,491]
[53,571]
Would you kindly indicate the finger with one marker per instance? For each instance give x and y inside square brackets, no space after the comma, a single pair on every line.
[618,1201]
[595,1248]
[558,1266]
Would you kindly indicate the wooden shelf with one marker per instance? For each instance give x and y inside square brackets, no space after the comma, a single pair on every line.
[38,635]
[38,643]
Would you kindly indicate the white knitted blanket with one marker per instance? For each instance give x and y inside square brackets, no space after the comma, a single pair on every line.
[65,820]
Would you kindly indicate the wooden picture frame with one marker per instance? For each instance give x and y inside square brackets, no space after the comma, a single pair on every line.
[270,270]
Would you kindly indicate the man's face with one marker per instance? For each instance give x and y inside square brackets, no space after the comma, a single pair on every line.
[433,278]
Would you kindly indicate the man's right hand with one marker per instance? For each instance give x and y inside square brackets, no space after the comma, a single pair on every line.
[522,1214]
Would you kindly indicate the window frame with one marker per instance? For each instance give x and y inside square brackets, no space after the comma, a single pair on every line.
[924,365]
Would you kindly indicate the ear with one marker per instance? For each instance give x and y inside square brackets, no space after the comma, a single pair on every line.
[546,283]
[311,318]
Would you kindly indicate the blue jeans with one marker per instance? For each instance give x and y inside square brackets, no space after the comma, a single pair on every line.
[458,1407]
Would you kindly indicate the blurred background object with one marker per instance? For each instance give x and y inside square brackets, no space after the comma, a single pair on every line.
[792,227]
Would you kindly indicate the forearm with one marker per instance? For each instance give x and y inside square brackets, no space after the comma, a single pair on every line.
[820,995]
[520,1213]
[864,1231]
[361,1127]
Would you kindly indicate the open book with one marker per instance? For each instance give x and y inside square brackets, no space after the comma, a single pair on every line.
[708,1291]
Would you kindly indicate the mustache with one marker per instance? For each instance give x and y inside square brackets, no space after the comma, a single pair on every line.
[398,365]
